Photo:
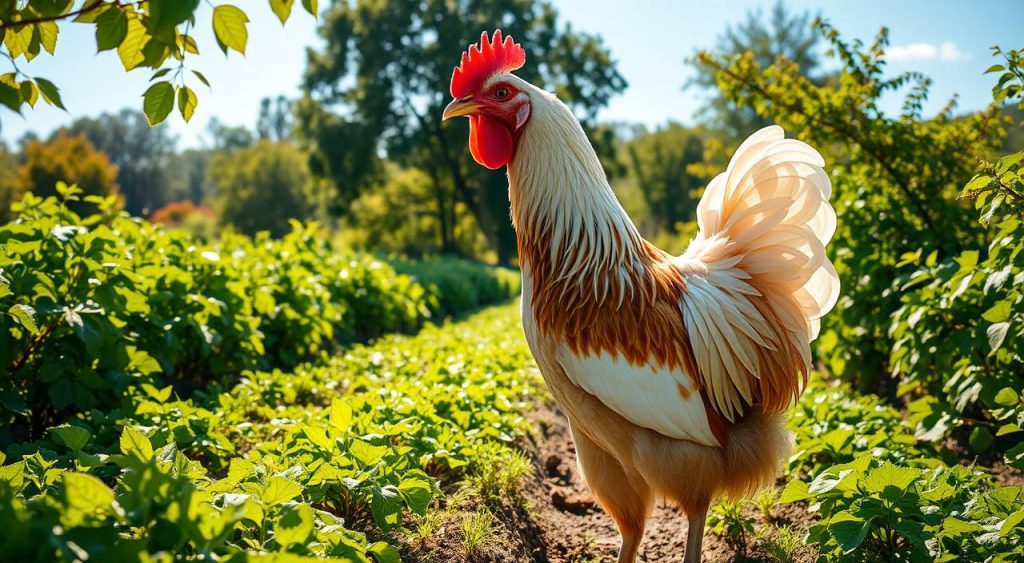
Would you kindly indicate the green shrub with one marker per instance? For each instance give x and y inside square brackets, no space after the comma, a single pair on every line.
[459,285]
[290,463]
[93,308]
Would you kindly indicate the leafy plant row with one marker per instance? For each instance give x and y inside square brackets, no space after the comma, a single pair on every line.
[93,309]
[883,495]
[328,461]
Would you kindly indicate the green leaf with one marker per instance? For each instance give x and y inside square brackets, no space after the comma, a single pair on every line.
[384,552]
[158,101]
[828,480]
[187,102]
[131,49]
[18,39]
[229,28]
[282,8]
[1012,521]
[980,439]
[141,362]
[848,530]
[999,312]
[48,32]
[310,6]
[111,29]
[135,443]
[890,475]
[340,415]
[85,497]
[1006,397]
[279,490]
[10,96]
[795,490]
[25,315]
[13,475]
[165,16]
[74,437]
[955,526]
[385,507]
[50,92]
[365,453]
[201,78]
[158,395]
[294,526]
[417,494]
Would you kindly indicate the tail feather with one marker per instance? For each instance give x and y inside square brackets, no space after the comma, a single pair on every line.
[764,224]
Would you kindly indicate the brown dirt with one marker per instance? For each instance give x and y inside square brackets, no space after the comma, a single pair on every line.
[558,520]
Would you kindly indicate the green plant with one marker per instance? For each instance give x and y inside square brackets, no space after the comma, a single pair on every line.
[283,462]
[477,532]
[765,501]
[93,309]
[499,476]
[781,544]
[958,336]
[889,511]
[728,519]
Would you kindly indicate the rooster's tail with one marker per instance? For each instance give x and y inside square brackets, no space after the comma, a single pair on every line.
[760,277]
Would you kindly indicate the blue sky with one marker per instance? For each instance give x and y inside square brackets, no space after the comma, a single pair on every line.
[947,40]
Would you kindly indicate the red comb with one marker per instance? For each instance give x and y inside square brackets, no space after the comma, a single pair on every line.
[483,60]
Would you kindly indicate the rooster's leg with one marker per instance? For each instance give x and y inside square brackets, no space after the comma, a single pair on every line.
[622,494]
[695,535]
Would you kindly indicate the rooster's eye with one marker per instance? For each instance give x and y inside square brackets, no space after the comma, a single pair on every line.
[501,93]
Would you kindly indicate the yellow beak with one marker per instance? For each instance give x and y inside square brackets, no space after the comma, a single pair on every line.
[460,106]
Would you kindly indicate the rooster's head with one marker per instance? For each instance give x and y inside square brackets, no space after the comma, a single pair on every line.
[492,98]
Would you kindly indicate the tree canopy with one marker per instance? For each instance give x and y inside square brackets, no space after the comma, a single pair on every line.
[262,187]
[140,152]
[380,83]
[762,38]
[71,159]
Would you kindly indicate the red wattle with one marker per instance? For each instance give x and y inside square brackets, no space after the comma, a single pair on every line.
[490,142]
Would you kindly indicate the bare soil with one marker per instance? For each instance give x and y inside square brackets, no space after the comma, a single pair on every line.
[558,520]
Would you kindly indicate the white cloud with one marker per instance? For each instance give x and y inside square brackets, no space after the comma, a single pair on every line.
[946,51]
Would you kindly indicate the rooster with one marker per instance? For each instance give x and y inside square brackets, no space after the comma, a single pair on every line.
[675,372]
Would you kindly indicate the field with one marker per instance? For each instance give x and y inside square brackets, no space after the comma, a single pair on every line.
[442,445]
[300,339]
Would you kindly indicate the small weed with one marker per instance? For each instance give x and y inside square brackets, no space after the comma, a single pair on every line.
[781,545]
[728,521]
[500,473]
[427,525]
[477,532]
[766,500]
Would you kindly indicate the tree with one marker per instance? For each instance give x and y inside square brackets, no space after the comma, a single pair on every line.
[782,34]
[154,34]
[381,81]
[142,155]
[228,138]
[10,184]
[187,175]
[261,187]
[659,161]
[275,121]
[70,159]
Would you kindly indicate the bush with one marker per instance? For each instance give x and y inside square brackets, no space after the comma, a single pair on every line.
[71,159]
[459,285]
[96,307]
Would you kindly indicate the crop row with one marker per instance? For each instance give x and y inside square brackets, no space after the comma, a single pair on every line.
[93,309]
[325,461]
